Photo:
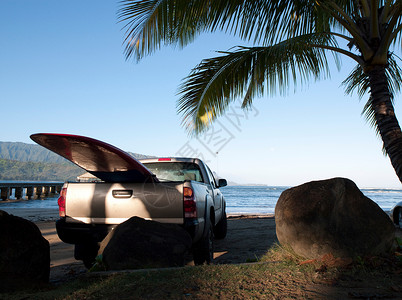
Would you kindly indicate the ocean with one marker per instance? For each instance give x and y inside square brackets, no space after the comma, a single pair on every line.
[243,199]
[262,199]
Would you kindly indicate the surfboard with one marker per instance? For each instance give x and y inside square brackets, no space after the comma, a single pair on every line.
[101,159]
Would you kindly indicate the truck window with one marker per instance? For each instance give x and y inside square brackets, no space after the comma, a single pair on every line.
[175,171]
[212,177]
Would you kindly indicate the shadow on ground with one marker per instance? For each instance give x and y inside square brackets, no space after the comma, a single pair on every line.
[248,239]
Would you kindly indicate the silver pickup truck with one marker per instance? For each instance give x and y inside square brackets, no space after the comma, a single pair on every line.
[169,190]
[187,194]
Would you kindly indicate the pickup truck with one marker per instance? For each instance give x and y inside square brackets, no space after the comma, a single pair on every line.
[180,191]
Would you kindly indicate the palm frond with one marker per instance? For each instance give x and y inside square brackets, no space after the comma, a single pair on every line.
[151,24]
[248,72]
[358,81]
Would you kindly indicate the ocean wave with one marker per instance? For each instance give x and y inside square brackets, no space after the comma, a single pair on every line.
[381,191]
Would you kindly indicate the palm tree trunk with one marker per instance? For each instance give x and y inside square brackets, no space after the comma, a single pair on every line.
[385,118]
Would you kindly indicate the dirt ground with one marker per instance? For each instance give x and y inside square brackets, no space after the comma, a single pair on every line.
[243,231]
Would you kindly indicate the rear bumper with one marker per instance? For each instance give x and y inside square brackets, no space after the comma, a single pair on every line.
[82,233]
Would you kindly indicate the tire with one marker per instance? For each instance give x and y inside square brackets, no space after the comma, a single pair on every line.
[397,216]
[87,253]
[221,228]
[203,251]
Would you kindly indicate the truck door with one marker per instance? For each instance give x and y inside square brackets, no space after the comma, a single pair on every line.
[215,191]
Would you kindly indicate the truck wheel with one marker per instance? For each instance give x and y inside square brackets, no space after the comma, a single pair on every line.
[87,253]
[204,249]
[221,228]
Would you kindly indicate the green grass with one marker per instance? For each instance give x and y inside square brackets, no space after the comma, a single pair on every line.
[277,275]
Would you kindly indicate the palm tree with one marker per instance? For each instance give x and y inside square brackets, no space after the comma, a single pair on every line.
[293,38]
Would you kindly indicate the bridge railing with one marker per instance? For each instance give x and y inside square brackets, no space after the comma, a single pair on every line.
[29,189]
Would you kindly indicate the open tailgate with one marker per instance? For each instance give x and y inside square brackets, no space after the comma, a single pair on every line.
[103,160]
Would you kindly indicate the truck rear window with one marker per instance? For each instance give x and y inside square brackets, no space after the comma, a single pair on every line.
[175,171]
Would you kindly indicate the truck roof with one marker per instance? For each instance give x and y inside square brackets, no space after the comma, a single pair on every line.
[171,159]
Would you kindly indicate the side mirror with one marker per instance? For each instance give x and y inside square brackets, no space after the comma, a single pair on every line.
[222,183]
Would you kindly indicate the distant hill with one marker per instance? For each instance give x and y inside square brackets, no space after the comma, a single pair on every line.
[21,161]
[28,152]
[38,171]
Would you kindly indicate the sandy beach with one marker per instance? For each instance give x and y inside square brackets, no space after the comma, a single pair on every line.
[249,237]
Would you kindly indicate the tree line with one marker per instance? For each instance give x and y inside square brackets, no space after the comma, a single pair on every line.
[38,171]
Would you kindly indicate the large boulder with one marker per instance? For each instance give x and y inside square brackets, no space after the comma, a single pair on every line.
[332,216]
[24,254]
[138,243]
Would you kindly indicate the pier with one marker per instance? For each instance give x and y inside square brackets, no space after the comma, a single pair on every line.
[29,189]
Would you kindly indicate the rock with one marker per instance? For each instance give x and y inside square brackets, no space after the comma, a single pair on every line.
[24,254]
[332,216]
[138,243]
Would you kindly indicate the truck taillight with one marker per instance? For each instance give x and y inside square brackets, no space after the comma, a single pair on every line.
[190,207]
[62,202]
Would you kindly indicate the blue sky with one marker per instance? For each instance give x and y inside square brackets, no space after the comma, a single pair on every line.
[62,69]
